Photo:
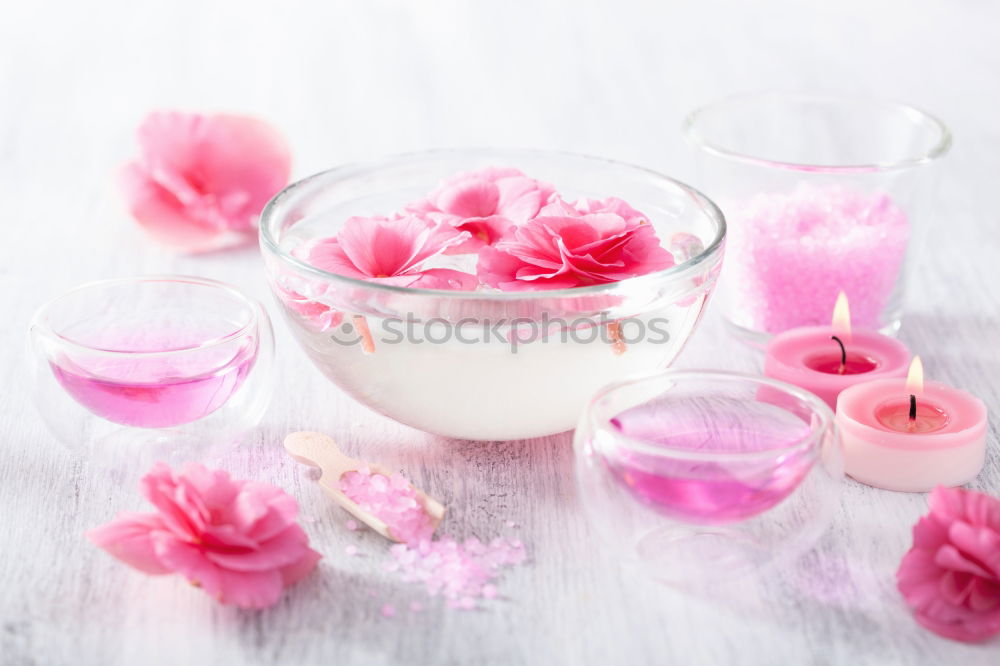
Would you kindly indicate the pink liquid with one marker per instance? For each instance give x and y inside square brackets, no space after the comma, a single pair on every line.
[711,491]
[155,393]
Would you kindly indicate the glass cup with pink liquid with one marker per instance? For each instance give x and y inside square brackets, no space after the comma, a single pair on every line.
[698,477]
[160,367]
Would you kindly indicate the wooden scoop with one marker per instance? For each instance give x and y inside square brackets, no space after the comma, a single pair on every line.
[319,450]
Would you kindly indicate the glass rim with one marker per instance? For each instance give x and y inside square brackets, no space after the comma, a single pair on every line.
[689,128]
[271,214]
[817,407]
[40,324]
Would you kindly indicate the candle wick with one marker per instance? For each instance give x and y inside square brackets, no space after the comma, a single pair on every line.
[843,354]
[913,408]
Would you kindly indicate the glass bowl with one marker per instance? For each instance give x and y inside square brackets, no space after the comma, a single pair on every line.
[487,365]
[698,477]
[822,194]
[159,367]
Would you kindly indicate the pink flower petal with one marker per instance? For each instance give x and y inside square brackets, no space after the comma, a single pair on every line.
[278,552]
[128,539]
[472,198]
[201,177]
[572,250]
[301,568]
[238,540]
[250,589]
[951,576]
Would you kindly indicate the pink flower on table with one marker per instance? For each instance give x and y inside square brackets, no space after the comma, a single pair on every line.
[237,540]
[391,251]
[201,181]
[951,575]
[569,246]
[485,203]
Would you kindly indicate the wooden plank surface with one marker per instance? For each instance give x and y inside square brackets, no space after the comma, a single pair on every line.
[356,80]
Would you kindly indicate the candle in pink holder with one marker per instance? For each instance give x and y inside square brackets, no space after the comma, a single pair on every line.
[827,359]
[911,436]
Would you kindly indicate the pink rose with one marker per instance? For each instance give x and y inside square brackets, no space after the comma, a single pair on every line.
[588,243]
[391,251]
[237,540]
[484,203]
[951,575]
[200,182]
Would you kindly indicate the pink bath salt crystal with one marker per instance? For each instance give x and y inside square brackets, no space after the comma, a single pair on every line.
[351,550]
[352,525]
[391,499]
[459,572]
[388,610]
[790,254]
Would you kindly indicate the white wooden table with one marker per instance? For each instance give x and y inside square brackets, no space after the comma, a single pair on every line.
[354,80]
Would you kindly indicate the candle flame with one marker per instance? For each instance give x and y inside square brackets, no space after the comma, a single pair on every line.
[915,377]
[842,318]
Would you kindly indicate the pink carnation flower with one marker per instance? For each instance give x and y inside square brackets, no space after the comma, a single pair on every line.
[951,576]
[565,246]
[485,203]
[200,182]
[391,251]
[237,540]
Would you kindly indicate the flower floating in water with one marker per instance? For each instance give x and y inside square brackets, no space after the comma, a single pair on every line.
[201,181]
[523,234]
[391,251]
[569,246]
[951,575]
[237,540]
[485,203]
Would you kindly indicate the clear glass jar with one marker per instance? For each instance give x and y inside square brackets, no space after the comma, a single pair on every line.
[487,365]
[699,477]
[822,194]
[129,371]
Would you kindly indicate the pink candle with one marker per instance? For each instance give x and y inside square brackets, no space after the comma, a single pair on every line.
[909,436]
[828,359]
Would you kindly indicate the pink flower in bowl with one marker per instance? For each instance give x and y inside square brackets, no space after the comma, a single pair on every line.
[951,575]
[485,203]
[201,181]
[391,250]
[237,540]
[568,246]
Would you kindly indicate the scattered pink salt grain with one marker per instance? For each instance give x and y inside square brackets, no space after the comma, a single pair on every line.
[351,550]
[459,572]
[790,254]
[352,525]
[388,610]
[392,500]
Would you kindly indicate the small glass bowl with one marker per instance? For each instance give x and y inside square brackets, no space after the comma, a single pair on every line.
[823,194]
[487,365]
[699,477]
[159,367]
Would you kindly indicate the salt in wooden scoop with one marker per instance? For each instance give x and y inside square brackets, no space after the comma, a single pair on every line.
[319,450]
